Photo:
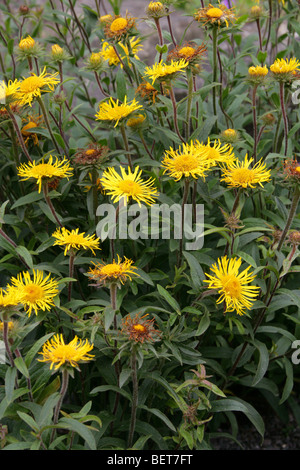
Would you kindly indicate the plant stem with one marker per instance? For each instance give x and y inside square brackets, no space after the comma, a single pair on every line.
[215,42]
[293,209]
[71,274]
[49,203]
[18,132]
[184,199]
[175,113]
[134,397]
[254,123]
[123,132]
[190,81]
[63,391]
[45,114]
[285,119]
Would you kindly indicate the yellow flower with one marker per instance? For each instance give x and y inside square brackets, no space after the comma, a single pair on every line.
[136,121]
[218,153]
[31,123]
[128,186]
[241,174]
[233,287]
[215,16]
[108,273]
[192,53]
[230,136]
[187,161]
[285,69]
[26,44]
[9,297]
[72,240]
[58,353]
[35,293]
[156,10]
[43,172]
[113,111]
[33,86]
[118,26]
[258,71]
[108,52]
[162,71]
[8,91]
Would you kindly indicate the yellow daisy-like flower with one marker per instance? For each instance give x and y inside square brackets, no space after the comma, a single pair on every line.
[128,186]
[43,172]
[115,111]
[285,69]
[58,353]
[215,15]
[36,292]
[118,26]
[218,153]
[73,240]
[240,174]
[30,123]
[9,297]
[115,272]
[108,52]
[233,287]
[8,91]
[162,71]
[33,86]
[189,160]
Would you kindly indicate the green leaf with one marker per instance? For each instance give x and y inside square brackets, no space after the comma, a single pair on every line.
[79,428]
[237,404]
[28,199]
[21,366]
[263,361]
[160,415]
[168,297]
[289,383]
[28,420]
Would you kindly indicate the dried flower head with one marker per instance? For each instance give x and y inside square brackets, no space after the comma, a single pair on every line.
[93,155]
[294,238]
[156,10]
[291,170]
[147,91]
[190,52]
[31,122]
[139,329]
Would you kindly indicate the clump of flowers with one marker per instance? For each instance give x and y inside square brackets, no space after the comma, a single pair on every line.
[211,16]
[118,27]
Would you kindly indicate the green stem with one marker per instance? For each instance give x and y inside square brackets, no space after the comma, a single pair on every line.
[45,114]
[215,42]
[49,203]
[254,122]
[184,200]
[190,82]
[18,132]
[123,132]
[63,391]
[172,96]
[134,397]
[285,119]
[293,209]
[71,274]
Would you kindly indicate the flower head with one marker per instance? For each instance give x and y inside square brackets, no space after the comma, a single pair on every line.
[45,172]
[33,86]
[30,123]
[211,15]
[241,174]
[191,53]
[230,136]
[257,74]
[285,69]
[109,54]
[110,273]
[56,352]
[233,287]
[146,90]
[156,10]
[8,91]
[217,153]
[128,186]
[93,155]
[189,160]
[162,71]
[9,298]
[35,291]
[26,44]
[118,26]
[291,170]
[139,329]
[73,240]
[115,111]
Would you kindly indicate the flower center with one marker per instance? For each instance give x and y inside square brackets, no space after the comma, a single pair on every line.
[187,51]
[118,25]
[229,133]
[129,187]
[242,175]
[31,84]
[33,292]
[139,328]
[232,286]
[43,170]
[64,352]
[214,13]
[185,163]
[110,270]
